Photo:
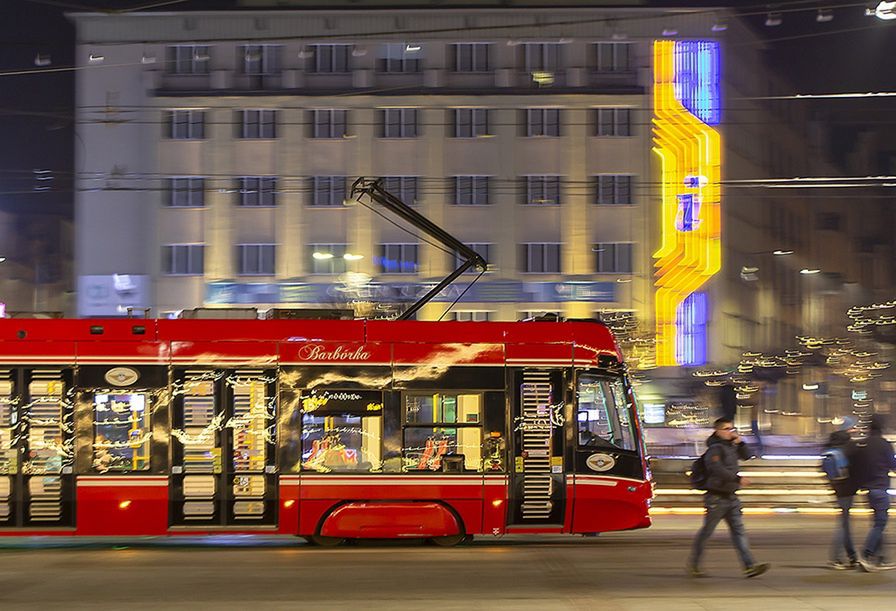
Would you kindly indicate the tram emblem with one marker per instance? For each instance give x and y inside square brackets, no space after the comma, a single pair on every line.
[121,376]
[600,462]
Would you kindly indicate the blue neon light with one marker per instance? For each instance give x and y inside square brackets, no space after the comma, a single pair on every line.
[690,347]
[697,79]
[688,216]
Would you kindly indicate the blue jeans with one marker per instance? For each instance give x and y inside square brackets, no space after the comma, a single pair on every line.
[720,508]
[842,536]
[880,504]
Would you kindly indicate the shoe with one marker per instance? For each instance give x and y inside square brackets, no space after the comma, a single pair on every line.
[756,570]
[839,565]
[695,571]
[867,565]
[886,566]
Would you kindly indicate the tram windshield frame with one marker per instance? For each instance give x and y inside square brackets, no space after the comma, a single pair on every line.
[605,414]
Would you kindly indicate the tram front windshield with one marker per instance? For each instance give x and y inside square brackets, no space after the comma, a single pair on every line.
[604,415]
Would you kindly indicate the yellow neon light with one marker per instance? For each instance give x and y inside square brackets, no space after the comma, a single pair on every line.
[686,146]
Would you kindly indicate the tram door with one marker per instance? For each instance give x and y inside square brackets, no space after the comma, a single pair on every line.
[538,485]
[36,448]
[223,448]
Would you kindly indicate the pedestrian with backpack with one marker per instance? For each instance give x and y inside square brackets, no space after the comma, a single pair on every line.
[836,461]
[720,461]
[874,460]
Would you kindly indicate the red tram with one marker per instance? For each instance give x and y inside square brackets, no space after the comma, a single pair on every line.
[327,429]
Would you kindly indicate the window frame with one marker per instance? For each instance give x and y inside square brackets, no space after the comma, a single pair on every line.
[471,123]
[617,187]
[475,60]
[615,253]
[191,248]
[400,64]
[190,119]
[541,124]
[337,265]
[325,123]
[258,123]
[325,191]
[264,189]
[261,249]
[192,191]
[616,66]
[477,186]
[269,61]
[401,259]
[527,256]
[407,124]
[336,63]
[198,62]
[406,185]
[543,183]
[619,124]
[537,56]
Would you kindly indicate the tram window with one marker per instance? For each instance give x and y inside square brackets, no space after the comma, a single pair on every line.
[121,432]
[439,427]
[341,442]
[603,414]
[8,453]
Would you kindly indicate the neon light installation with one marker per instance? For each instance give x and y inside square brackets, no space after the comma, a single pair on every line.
[686,105]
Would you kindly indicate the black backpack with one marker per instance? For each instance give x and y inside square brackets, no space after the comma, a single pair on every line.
[699,474]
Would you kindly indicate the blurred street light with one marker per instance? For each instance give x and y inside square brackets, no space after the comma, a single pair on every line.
[322,256]
[806,271]
[885,11]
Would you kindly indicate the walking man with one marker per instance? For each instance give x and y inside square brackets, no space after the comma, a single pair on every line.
[874,461]
[724,448]
[841,447]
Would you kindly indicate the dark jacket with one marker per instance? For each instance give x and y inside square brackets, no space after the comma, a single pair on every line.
[850,485]
[721,460]
[874,461]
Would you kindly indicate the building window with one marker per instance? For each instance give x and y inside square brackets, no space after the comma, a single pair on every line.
[398,258]
[470,122]
[186,192]
[398,122]
[401,57]
[613,257]
[188,59]
[255,259]
[328,123]
[613,56]
[614,189]
[257,123]
[183,259]
[186,124]
[327,258]
[402,187]
[614,122]
[543,122]
[442,427]
[471,315]
[261,60]
[542,191]
[541,258]
[472,56]
[471,190]
[258,191]
[327,191]
[329,59]
[483,249]
[541,56]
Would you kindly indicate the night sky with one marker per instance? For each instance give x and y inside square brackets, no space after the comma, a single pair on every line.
[850,53]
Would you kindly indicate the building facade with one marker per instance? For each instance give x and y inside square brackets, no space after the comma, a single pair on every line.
[219,148]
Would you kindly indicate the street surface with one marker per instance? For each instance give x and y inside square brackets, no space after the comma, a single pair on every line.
[635,570]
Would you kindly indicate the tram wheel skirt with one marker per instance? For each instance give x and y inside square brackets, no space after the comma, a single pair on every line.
[391,520]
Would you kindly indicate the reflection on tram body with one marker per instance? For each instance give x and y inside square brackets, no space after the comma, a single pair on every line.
[603,413]
[440,427]
[121,432]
